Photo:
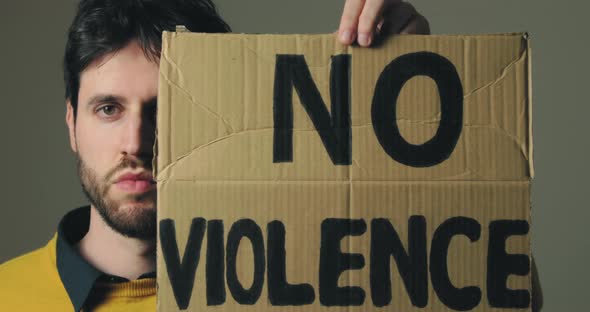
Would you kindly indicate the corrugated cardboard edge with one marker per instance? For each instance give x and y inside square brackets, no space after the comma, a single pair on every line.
[155,155]
[527,39]
[532,269]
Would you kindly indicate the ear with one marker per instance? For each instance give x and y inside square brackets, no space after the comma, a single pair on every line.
[70,121]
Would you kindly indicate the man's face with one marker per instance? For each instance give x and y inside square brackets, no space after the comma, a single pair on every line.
[112,135]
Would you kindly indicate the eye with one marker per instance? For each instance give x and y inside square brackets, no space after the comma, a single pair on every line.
[108,110]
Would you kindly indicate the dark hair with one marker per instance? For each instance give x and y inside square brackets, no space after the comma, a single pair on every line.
[105,26]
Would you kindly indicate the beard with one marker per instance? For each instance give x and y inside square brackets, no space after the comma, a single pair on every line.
[134,221]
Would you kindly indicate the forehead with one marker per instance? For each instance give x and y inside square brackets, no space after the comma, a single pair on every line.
[126,73]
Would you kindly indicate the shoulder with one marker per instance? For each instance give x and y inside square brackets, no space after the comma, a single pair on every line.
[15,267]
[19,267]
[31,280]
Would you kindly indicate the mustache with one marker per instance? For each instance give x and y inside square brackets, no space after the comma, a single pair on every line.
[131,163]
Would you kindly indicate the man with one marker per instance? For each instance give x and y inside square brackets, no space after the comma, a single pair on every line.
[103,257]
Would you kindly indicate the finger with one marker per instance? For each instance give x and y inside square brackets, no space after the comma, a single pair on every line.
[368,21]
[349,20]
[418,25]
[397,17]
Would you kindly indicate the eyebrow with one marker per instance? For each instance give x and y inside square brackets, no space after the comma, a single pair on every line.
[105,98]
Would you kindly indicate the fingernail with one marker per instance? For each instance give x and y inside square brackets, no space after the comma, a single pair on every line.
[346,36]
[364,39]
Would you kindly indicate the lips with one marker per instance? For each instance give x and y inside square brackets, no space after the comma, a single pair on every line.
[136,183]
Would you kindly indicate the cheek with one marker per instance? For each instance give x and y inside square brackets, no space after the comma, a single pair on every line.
[97,146]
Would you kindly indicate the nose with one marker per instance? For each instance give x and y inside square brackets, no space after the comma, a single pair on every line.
[139,134]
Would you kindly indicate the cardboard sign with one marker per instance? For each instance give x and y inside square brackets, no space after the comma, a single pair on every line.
[298,174]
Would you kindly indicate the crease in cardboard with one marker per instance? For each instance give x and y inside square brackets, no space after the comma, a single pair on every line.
[170,62]
[350,214]
[468,173]
[445,181]
[194,101]
[433,181]
[522,146]
[350,217]
[356,163]
[432,120]
[170,166]
[529,89]
[518,61]
[272,59]
[520,143]
[466,50]
[166,171]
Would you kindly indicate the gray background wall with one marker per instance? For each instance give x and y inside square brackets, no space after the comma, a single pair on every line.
[38,182]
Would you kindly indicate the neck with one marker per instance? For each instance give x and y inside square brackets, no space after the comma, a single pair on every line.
[115,254]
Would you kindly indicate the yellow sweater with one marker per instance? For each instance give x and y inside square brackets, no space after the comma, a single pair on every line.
[31,283]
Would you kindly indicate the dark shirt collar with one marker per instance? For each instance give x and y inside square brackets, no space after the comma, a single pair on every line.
[77,275]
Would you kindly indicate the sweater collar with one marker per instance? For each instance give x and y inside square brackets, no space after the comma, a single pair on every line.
[77,275]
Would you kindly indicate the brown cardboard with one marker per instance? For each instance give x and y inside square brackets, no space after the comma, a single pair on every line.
[217,163]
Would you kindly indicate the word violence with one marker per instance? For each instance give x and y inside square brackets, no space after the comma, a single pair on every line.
[414,264]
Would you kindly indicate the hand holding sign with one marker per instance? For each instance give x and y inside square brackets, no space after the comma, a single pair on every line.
[363,19]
